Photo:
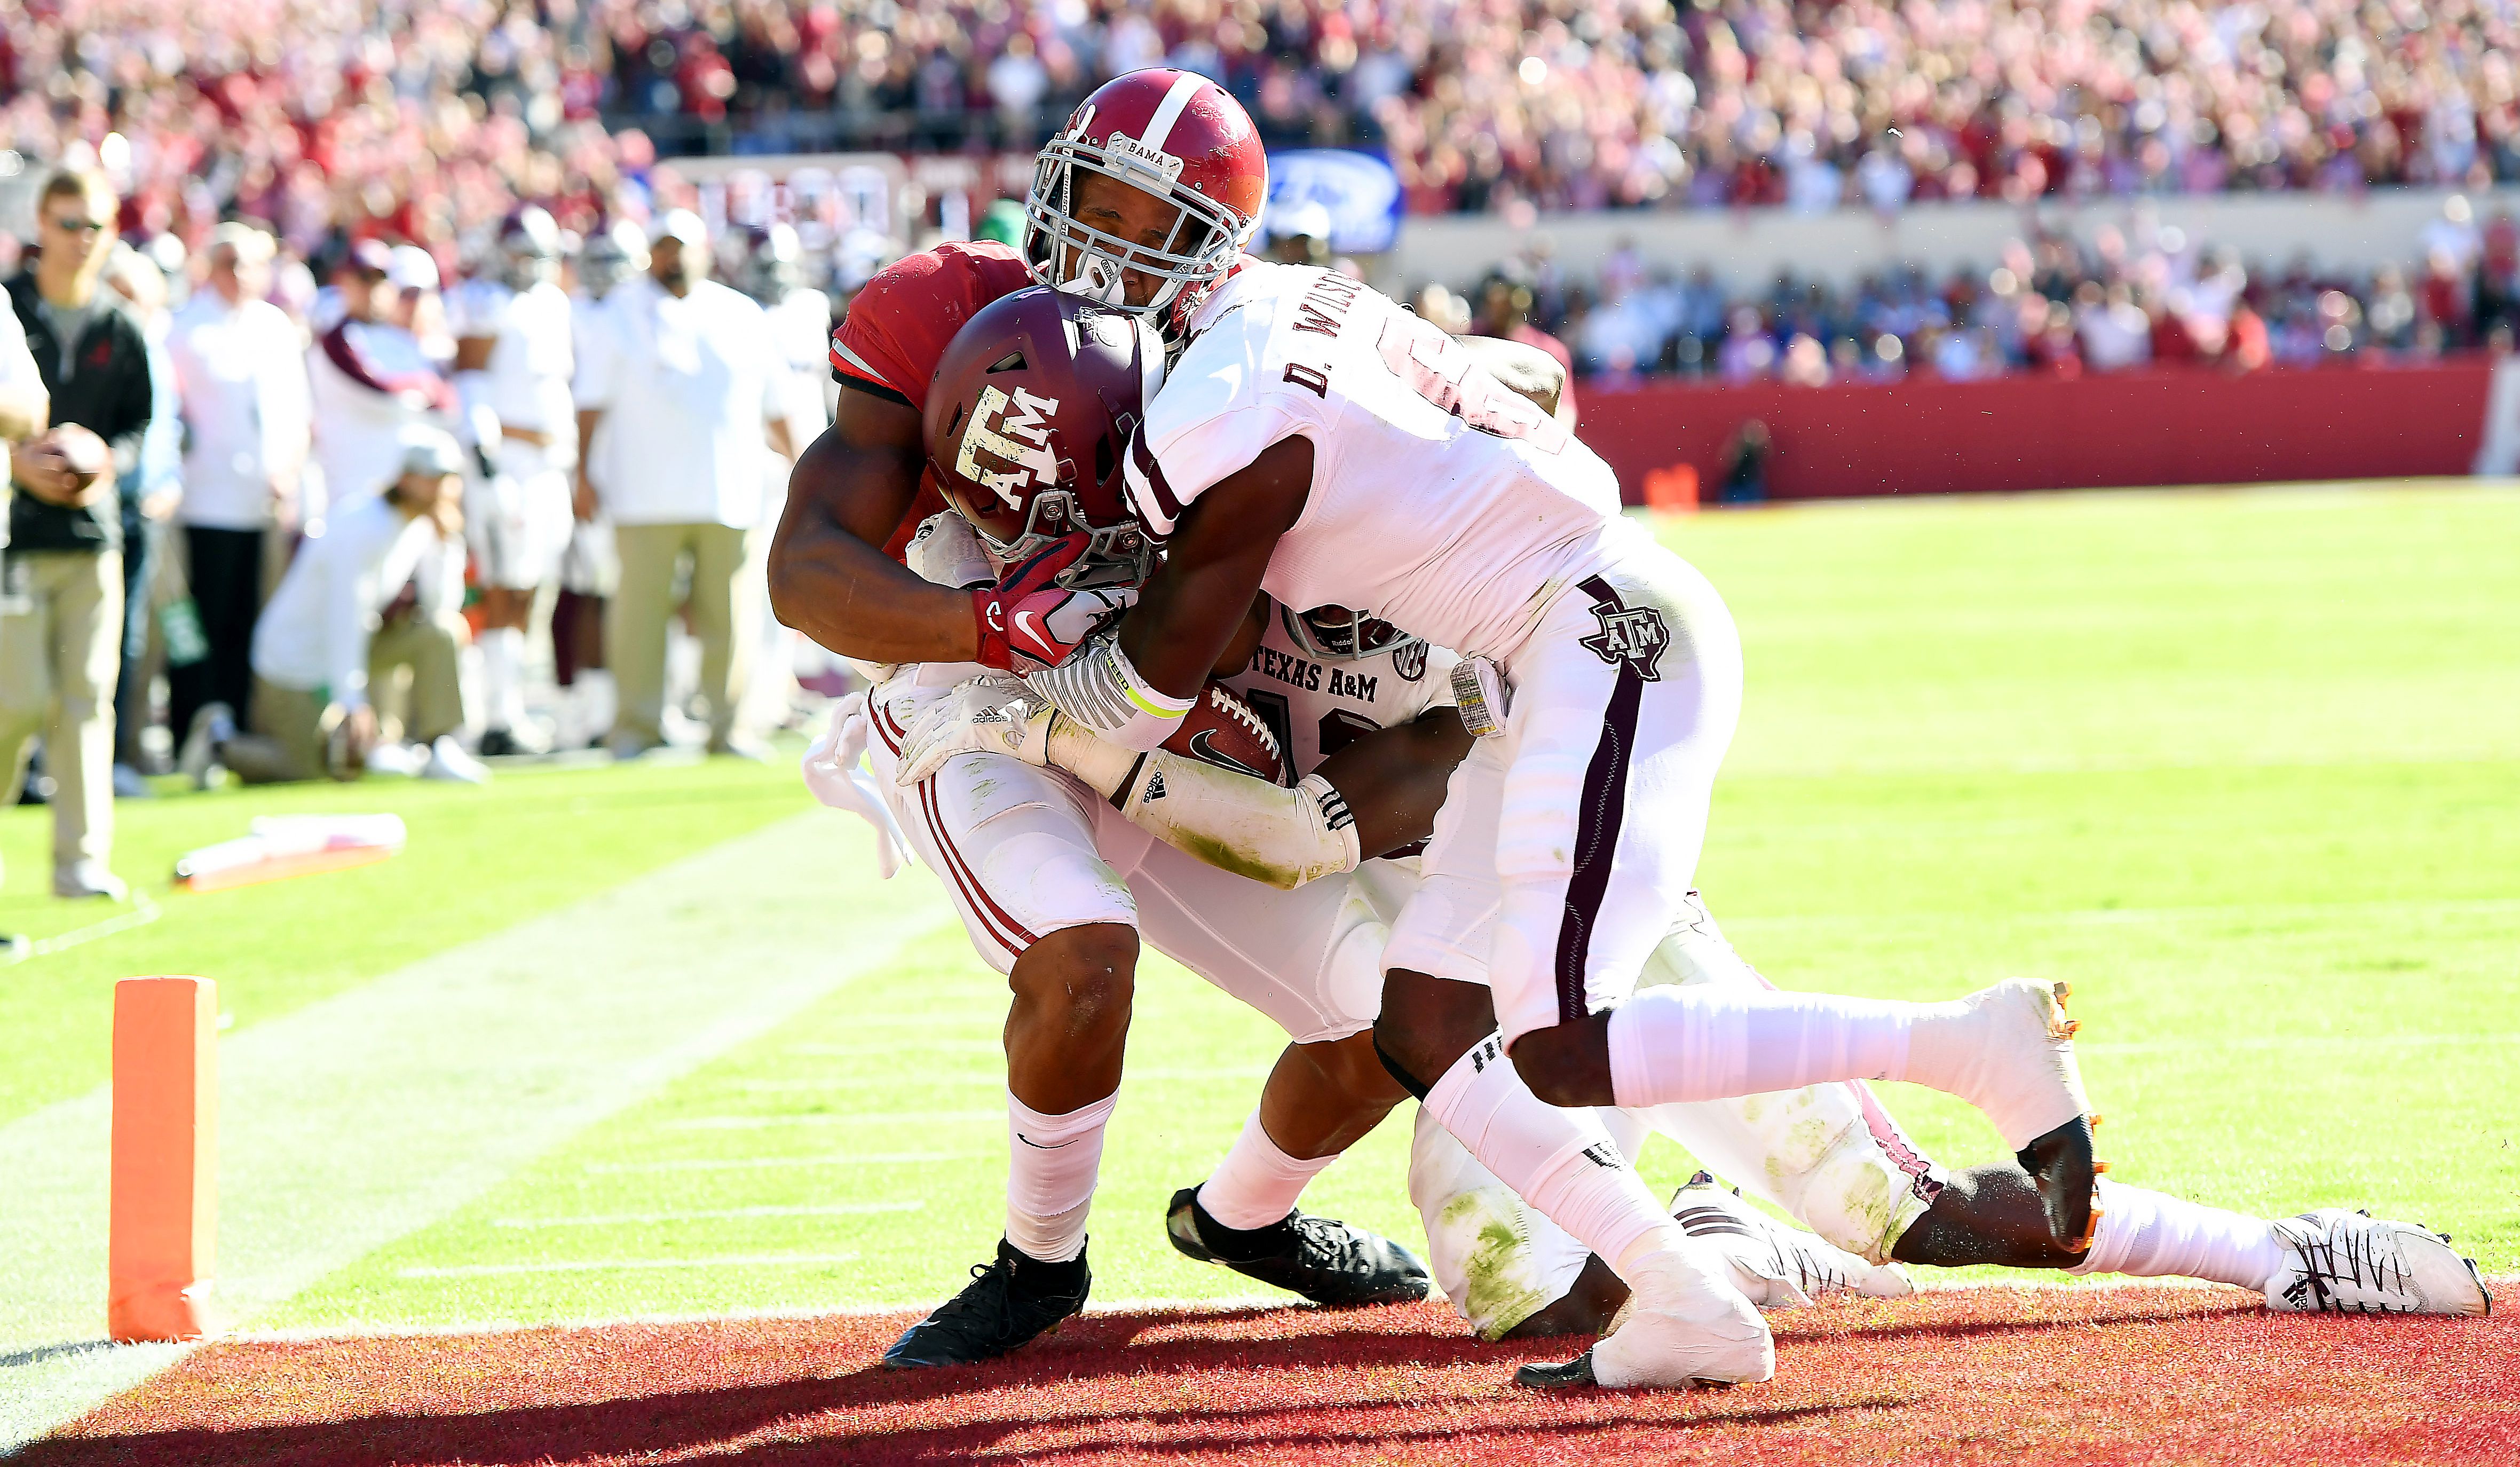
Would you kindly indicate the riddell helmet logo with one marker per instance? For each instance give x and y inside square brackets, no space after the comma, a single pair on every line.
[1006,448]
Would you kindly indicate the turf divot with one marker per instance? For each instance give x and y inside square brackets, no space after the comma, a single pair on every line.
[1977,1376]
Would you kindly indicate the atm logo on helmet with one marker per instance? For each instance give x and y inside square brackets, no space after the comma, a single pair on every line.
[1007,446]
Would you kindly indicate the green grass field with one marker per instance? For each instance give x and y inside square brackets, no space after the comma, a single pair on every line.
[2244,767]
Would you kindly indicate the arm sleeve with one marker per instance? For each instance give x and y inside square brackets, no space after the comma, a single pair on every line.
[1230,821]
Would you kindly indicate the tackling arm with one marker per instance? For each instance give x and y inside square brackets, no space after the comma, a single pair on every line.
[1133,686]
[828,575]
[1370,798]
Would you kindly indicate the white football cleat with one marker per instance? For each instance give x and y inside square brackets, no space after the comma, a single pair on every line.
[1776,1265]
[1684,1326]
[2355,1264]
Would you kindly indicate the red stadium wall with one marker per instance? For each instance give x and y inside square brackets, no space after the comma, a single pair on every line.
[2168,426]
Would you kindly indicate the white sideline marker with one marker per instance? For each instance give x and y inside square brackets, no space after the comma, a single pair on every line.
[608,1265]
[806,1210]
[726,1163]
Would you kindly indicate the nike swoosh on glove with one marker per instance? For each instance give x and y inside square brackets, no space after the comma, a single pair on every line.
[1029,616]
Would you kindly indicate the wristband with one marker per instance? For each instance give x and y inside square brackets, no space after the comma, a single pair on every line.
[1480,694]
[1100,689]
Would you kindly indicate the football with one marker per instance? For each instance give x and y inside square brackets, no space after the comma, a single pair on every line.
[1223,730]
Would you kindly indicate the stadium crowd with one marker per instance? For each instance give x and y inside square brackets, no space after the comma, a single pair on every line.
[423,114]
[2050,304]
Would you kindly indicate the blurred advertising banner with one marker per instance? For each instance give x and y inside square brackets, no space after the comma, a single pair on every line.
[1358,193]
[827,196]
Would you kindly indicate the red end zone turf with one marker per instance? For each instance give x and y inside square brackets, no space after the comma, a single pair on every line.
[1982,1376]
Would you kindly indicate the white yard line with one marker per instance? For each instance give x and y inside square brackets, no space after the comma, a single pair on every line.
[739,1163]
[713,1215]
[360,1119]
[838,1118]
[612,1265]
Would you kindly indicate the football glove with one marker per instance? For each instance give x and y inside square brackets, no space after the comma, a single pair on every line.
[1027,621]
[985,715]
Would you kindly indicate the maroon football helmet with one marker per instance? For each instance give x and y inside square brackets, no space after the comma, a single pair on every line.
[1028,418]
[1178,136]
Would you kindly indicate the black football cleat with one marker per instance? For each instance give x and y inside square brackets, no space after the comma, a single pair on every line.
[1324,1259]
[2061,1164]
[1005,1306]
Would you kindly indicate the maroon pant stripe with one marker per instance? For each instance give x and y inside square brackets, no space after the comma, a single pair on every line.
[1596,827]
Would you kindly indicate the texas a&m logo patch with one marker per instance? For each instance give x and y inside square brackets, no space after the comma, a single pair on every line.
[1007,446]
[1632,634]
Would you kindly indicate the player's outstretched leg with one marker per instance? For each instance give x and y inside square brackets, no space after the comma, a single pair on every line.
[1324,1098]
[2006,1050]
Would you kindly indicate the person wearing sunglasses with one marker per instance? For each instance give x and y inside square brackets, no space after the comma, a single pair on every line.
[61,638]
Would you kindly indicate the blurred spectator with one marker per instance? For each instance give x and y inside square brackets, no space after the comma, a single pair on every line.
[592,567]
[376,594]
[241,371]
[677,409]
[147,504]
[368,376]
[23,410]
[58,654]
[1745,465]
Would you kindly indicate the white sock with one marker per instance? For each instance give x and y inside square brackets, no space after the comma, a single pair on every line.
[2155,1235]
[1257,1183]
[1703,1042]
[503,694]
[1559,1161]
[1051,1166]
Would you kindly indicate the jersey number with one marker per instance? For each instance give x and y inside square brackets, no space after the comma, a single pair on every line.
[1430,363]
[1340,727]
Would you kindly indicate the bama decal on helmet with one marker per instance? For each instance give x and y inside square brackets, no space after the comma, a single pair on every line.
[1012,430]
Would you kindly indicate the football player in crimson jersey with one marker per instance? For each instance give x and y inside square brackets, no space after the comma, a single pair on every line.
[1141,205]
[1830,1154]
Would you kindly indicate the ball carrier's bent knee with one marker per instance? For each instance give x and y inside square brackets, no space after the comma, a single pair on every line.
[1068,1025]
[1427,1024]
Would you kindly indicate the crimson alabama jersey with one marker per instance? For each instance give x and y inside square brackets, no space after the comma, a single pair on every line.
[1442,501]
[898,327]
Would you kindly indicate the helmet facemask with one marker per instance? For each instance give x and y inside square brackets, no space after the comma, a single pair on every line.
[1340,634]
[1069,256]
[1115,554]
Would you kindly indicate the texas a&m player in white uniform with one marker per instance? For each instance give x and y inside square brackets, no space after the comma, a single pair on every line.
[1318,443]
[514,356]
